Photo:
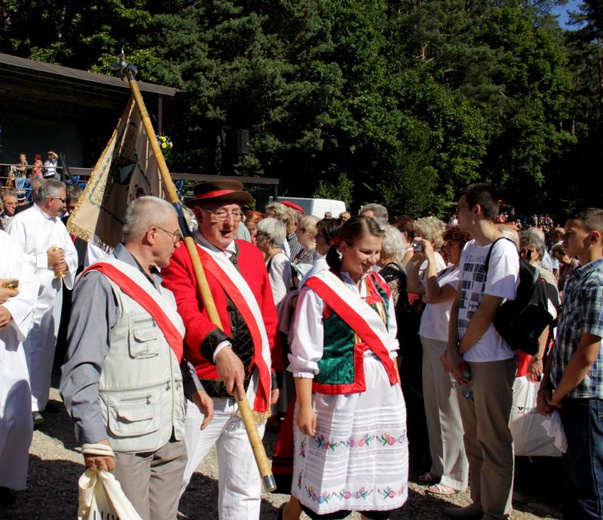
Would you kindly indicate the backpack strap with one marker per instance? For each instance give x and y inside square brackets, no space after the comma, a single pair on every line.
[487,262]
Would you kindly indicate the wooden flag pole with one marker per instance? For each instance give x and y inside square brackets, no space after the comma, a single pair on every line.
[208,301]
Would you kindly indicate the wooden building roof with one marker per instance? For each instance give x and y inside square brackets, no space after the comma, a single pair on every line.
[43,89]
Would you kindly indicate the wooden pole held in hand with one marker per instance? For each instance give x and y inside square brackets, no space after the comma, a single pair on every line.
[206,296]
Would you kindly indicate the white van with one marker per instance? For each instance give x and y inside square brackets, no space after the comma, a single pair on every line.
[316,207]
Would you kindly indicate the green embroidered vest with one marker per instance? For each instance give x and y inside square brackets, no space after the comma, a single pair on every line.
[341,368]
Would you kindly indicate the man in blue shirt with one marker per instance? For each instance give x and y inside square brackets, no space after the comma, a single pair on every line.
[573,380]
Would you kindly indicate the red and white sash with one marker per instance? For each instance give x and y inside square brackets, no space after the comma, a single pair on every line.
[238,290]
[158,304]
[358,315]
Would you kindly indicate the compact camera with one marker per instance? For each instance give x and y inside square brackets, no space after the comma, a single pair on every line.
[417,246]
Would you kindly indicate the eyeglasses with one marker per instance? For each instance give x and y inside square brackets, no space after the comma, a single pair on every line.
[221,215]
[176,237]
[59,198]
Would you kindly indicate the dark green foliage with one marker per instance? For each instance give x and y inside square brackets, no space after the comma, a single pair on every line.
[398,102]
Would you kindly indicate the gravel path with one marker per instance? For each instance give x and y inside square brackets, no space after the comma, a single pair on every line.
[55,467]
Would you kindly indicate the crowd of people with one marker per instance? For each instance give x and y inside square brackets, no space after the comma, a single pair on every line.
[358,338]
[38,169]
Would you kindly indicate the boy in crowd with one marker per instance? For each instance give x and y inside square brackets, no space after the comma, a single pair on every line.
[573,379]
[474,340]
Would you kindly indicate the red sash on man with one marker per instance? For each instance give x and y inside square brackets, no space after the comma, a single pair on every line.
[261,401]
[146,301]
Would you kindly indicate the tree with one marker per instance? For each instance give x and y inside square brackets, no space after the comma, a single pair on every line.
[83,35]
[343,190]
[532,133]
[258,67]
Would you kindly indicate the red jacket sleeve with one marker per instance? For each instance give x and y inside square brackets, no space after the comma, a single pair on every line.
[179,277]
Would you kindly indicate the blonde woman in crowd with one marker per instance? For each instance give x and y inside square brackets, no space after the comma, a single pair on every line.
[432,230]
[449,472]
[270,237]
[288,217]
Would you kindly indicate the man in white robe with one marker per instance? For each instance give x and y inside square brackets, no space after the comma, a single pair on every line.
[49,251]
[16,426]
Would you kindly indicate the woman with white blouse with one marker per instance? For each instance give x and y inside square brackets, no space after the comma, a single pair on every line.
[350,442]
[449,471]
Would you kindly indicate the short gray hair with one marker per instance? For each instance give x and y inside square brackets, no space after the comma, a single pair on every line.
[274,229]
[379,212]
[11,193]
[142,213]
[531,238]
[74,192]
[393,242]
[49,188]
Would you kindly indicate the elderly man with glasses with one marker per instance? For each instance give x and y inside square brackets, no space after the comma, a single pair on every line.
[125,376]
[232,361]
[49,251]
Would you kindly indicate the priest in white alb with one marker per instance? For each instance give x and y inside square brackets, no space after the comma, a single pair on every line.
[18,292]
[48,250]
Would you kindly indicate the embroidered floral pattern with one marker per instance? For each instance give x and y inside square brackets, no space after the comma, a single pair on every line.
[390,493]
[323,498]
[344,494]
[302,449]
[386,439]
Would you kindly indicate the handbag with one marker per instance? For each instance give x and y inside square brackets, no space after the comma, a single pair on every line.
[530,439]
[101,497]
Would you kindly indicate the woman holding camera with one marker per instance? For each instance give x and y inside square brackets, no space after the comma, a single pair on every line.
[449,467]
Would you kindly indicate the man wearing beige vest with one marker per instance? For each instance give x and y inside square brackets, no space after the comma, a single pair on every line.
[124,378]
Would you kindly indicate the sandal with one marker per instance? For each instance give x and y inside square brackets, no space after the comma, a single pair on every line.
[429,477]
[440,489]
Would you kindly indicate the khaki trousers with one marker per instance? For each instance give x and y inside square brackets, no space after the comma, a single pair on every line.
[152,480]
[488,439]
[443,416]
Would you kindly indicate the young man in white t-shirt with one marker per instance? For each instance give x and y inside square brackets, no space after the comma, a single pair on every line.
[474,341]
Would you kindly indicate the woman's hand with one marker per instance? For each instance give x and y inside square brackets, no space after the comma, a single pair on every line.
[306,420]
[427,250]
[535,368]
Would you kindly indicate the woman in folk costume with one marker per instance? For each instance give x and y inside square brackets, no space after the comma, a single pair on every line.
[350,442]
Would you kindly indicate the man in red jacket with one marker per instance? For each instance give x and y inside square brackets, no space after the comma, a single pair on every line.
[234,361]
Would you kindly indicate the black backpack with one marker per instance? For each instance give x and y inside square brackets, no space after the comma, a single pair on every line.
[521,321]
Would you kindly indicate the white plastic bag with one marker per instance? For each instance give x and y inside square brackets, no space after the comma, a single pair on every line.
[529,437]
[101,497]
[554,429]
